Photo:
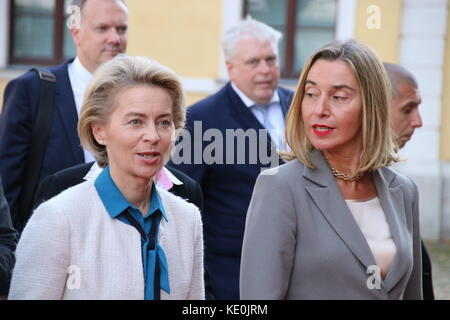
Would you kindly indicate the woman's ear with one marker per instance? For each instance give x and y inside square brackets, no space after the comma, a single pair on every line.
[98,131]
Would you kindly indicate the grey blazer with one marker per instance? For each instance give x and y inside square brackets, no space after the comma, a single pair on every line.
[302,242]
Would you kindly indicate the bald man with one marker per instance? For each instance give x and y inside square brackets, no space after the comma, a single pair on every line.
[405,102]
[405,119]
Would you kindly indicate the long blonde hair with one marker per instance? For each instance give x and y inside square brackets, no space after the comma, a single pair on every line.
[378,148]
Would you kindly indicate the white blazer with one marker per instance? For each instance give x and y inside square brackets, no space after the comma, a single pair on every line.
[72,249]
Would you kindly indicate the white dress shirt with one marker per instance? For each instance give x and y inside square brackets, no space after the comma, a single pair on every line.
[275,113]
[371,220]
[79,79]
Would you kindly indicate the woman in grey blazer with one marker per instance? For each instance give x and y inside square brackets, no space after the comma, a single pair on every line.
[334,222]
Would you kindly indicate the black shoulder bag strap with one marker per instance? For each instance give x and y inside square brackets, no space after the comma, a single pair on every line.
[38,146]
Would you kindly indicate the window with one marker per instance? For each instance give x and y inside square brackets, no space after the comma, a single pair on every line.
[306,25]
[38,33]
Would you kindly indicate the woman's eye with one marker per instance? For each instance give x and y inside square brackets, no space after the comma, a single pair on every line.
[135,122]
[338,98]
[165,123]
[407,110]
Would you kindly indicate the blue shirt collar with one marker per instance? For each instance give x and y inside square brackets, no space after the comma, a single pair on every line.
[114,201]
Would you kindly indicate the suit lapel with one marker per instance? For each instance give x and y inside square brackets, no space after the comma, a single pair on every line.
[247,120]
[391,199]
[328,198]
[285,100]
[240,112]
[67,110]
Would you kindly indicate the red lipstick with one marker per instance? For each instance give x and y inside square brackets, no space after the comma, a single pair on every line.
[321,130]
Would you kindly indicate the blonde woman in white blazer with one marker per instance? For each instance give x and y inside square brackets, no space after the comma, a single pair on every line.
[119,236]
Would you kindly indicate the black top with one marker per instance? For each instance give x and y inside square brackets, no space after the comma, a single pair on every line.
[8,241]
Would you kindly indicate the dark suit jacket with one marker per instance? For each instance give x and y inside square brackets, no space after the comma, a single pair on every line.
[227,184]
[8,241]
[427,278]
[17,120]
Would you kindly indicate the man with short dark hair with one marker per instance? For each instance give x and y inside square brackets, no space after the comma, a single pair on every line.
[405,103]
[99,34]
[405,119]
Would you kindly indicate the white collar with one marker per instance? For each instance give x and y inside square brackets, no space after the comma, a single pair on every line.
[172,177]
[249,102]
[83,76]
[96,170]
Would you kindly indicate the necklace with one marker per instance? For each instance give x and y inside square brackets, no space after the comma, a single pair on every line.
[346,177]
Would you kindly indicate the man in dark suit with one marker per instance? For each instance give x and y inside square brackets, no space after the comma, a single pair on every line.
[235,119]
[405,119]
[8,241]
[100,35]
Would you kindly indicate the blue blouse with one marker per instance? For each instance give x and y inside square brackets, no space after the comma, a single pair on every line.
[116,205]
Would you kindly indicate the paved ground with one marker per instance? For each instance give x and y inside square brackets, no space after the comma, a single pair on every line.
[440,258]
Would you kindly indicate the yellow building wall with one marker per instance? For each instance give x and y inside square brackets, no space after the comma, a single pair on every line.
[445,106]
[385,39]
[184,35]
[191,98]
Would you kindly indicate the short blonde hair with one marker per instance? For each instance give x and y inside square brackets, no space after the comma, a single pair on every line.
[115,75]
[378,148]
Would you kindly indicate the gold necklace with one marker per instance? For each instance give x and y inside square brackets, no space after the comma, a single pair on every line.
[344,176]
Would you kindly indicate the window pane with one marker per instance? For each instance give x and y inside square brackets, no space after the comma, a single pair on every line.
[315,27]
[308,40]
[316,13]
[69,50]
[33,28]
[271,12]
